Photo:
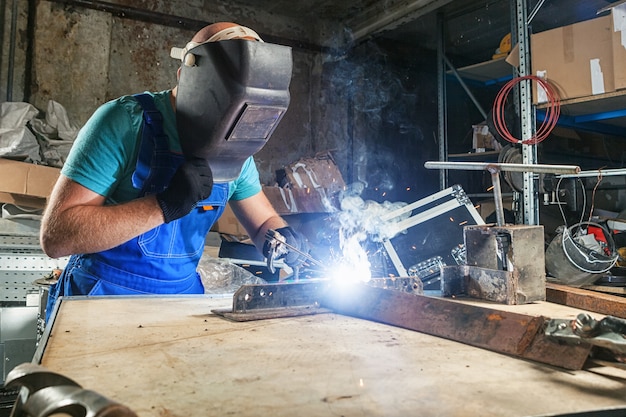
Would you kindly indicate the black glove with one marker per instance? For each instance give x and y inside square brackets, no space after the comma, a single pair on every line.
[191,183]
[292,238]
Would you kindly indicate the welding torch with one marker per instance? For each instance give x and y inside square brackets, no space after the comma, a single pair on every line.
[278,246]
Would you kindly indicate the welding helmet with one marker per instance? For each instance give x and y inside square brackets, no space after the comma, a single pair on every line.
[232,93]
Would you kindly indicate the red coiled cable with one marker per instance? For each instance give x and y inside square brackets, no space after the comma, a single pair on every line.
[553,110]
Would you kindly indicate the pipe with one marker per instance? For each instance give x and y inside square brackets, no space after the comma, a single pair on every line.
[497,196]
[596,173]
[479,166]
[12,40]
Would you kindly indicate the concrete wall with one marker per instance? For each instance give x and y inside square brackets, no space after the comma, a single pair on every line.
[83,57]
[14,42]
[374,107]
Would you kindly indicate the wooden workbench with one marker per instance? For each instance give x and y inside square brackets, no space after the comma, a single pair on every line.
[173,357]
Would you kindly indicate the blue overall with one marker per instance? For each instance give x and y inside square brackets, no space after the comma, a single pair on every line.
[162,260]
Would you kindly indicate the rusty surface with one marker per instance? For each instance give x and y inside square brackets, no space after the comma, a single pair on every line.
[596,302]
[523,248]
[505,332]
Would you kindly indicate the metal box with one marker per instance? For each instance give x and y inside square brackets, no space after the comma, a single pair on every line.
[428,234]
[505,264]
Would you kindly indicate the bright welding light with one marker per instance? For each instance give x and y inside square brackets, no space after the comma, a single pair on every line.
[345,273]
[360,220]
[354,265]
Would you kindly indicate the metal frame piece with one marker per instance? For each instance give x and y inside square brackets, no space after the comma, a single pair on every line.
[459,199]
[505,332]
[456,198]
[530,198]
[442,110]
[495,168]
[22,262]
[400,304]
[267,301]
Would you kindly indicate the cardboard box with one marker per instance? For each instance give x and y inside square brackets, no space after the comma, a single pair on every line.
[577,59]
[228,224]
[618,16]
[26,184]
[482,139]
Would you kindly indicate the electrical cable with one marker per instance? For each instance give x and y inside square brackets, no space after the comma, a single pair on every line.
[553,111]
[590,256]
[593,194]
[568,240]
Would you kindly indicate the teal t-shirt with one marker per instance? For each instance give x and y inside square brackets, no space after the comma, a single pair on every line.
[104,155]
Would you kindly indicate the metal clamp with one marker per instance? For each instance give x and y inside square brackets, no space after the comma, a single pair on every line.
[608,332]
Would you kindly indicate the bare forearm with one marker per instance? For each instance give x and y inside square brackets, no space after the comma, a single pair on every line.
[258,238]
[257,216]
[89,228]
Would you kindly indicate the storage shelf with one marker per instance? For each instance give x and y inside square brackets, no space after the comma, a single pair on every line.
[492,72]
[602,113]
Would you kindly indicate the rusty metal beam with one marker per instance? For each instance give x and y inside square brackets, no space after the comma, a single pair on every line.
[505,332]
[593,301]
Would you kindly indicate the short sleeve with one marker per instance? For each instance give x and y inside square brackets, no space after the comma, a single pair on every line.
[99,158]
[247,184]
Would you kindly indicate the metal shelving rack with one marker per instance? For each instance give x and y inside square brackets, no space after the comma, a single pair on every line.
[22,262]
[530,198]
[529,204]
[601,113]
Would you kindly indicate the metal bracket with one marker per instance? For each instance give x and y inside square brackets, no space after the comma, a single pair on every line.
[270,301]
[267,301]
[397,302]
[608,332]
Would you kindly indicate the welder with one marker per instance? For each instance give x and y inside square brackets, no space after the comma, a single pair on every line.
[149,174]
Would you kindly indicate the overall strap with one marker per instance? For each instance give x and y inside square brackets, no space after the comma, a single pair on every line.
[155,163]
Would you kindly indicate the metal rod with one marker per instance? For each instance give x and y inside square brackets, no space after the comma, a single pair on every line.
[465,87]
[596,173]
[442,100]
[12,42]
[532,14]
[479,166]
[497,196]
[272,234]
